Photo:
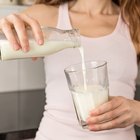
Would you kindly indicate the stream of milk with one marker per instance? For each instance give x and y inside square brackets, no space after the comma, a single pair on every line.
[81,50]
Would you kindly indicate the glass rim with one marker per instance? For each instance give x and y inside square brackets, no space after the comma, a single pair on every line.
[69,70]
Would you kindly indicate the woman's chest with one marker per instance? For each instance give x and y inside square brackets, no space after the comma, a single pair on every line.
[120,56]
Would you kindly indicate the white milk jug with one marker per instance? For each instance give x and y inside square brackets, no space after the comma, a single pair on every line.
[54,40]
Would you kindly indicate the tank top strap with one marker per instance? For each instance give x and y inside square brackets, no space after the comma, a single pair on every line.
[123,28]
[63,17]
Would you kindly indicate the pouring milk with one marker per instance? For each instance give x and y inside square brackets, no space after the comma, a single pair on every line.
[88,96]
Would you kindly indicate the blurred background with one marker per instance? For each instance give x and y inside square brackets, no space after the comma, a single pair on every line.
[22,93]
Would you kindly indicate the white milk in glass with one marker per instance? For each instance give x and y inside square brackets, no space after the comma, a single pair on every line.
[85,101]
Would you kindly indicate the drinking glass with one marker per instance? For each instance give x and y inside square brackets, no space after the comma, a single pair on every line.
[88,86]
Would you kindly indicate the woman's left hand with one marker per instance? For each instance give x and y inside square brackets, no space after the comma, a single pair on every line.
[119,112]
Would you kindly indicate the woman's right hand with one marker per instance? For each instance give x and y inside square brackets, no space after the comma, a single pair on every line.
[18,23]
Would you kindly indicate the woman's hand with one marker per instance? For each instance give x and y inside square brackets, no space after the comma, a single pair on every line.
[119,112]
[18,23]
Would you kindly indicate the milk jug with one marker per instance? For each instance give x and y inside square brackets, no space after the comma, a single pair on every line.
[54,40]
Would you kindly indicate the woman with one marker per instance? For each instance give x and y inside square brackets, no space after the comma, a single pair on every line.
[108,32]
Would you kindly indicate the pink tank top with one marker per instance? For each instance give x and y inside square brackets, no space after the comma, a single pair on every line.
[59,121]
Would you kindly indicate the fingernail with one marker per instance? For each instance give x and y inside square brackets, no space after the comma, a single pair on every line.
[87,121]
[93,112]
[90,113]
[40,42]
[16,47]
[90,127]
[25,49]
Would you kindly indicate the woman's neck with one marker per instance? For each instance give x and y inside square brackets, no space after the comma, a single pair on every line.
[93,7]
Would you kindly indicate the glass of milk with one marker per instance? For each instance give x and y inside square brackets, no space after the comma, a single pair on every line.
[54,40]
[88,86]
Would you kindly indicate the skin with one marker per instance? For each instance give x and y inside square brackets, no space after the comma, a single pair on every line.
[100,18]
[119,112]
